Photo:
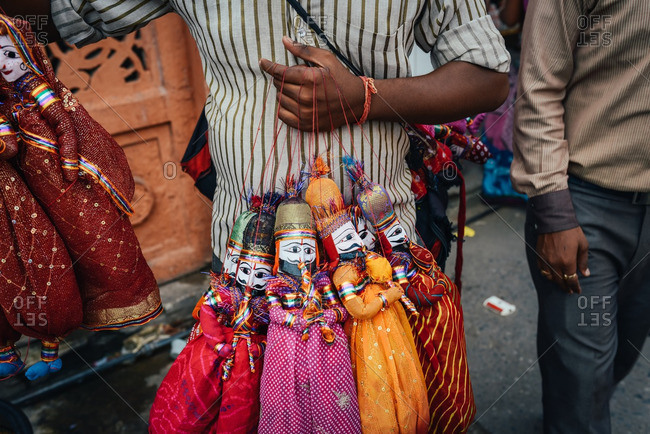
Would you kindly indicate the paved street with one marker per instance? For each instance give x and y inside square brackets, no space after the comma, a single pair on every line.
[502,354]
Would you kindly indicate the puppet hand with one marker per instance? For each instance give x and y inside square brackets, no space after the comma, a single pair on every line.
[318,98]
[8,147]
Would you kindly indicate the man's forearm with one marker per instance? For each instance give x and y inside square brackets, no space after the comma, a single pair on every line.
[37,13]
[452,92]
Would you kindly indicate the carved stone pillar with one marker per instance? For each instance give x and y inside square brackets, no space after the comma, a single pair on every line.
[147,89]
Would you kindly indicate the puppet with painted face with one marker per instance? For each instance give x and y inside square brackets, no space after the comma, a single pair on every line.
[81,175]
[39,297]
[438,329]
[306,342]
[365,230]
[413,264]
[221,282]
[381,344]
[224,364]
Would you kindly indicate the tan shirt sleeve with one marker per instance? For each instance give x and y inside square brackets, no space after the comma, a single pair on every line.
[541,151]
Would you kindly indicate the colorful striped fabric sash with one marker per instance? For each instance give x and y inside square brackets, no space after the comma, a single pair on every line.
[86,166]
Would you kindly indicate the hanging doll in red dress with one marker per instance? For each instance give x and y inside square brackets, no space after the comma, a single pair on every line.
[81,177]
[214,384]
[39,296]
[438,330]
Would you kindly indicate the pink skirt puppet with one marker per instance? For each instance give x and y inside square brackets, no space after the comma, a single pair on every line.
[307,383]
[81,177]
[39,296]
[214,384]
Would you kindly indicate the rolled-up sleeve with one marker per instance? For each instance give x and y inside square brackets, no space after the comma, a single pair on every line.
[81,22]
[461,31]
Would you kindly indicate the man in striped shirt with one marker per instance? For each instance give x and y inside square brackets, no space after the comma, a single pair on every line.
[248,147]
[582,154]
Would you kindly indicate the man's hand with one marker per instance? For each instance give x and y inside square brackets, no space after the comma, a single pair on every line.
[560,255]
[318,98]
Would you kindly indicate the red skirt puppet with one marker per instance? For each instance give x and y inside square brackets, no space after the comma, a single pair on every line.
[39,296]
[80,175]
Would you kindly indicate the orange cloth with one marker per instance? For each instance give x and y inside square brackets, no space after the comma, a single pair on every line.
[391,388]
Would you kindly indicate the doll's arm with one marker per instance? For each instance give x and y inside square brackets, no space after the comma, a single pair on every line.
[355,304]
[8,140]
[59,119]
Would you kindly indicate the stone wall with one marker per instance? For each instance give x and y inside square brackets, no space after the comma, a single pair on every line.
[147,89]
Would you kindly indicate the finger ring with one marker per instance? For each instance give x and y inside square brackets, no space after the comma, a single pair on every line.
[570,276]
[545,273]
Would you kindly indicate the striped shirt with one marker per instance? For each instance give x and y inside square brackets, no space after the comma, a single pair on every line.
[584,104]
[249,147]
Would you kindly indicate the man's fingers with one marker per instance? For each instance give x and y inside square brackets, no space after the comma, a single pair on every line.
[293,91]
[275,70]
[571,282]
[288,118]
[583,254]
[305,52]
[288,104]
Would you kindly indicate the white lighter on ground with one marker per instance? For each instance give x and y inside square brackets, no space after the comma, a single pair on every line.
[499,306]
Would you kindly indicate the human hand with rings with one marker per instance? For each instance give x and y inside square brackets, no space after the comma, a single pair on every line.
[561,255]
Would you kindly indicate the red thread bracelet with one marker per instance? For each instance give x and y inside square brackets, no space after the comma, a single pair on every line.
[369,89]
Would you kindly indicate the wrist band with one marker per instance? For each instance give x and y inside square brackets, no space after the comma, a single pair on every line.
[369,89]
[384,301]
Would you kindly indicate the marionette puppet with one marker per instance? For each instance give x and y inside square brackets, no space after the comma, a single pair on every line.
[80,175]
[365,230]
[220,282]
[39,296]
[390,384]
[438,329]
[214,384]
[307,382]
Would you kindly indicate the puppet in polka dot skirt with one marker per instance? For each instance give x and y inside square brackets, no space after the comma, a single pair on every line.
[39,297]
[307,383]
[390,385]
[438,329]
[214,384]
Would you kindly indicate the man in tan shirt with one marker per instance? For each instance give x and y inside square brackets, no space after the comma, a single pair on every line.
[582,155]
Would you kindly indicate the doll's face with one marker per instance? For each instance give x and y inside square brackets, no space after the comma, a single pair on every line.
[366,234]
[346,239]
[231,260]
[395,234]
[292,252]
[12,66]
[252,274]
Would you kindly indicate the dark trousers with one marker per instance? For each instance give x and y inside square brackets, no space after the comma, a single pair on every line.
[588,342]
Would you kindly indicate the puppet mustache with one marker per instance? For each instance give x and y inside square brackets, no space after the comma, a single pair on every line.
[244,284]
[354,246]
